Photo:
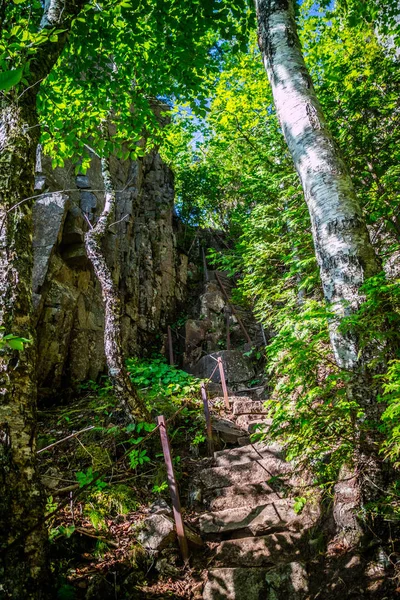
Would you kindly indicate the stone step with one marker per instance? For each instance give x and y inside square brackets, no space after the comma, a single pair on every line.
[239,496]
[278,514]
[250,422]
[244,454]
[253,472]
[228,430]
[275,548]
[236,584]
[247,407]
[286,582]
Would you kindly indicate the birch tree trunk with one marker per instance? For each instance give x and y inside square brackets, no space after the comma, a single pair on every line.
[124,391]
[24,569]
[343,249]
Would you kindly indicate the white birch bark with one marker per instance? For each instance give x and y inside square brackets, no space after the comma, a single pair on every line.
[343,249]
[124,391]
[344,252]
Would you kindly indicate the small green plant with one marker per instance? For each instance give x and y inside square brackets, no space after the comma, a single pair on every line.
[299,504]
[50,505]
[199,438]
[100,549]
[158,489]
[138,458]
[88,477]
[253,353]
[65,418]
[60,531]
[14,342]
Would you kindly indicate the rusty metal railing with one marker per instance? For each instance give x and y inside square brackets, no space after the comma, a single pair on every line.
[173,489]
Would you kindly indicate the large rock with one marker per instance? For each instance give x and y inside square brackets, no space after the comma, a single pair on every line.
[240,496]
[142,252]
[260,551]
[237,367]
[157,532]
[234,584]
[227,430]
[288,582]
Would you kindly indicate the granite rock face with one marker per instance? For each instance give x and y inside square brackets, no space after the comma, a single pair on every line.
[142,252]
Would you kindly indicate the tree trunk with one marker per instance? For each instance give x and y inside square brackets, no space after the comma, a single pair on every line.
[24,569]
[343,249]
[94,239]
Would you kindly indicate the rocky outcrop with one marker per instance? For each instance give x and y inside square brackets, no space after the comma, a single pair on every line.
[142,251]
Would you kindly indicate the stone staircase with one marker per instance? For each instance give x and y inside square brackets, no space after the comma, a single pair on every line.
[259,544]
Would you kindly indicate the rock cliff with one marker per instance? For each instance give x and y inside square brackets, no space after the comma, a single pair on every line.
[142,251]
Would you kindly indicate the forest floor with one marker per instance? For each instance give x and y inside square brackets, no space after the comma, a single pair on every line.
[94,550]
[100,499]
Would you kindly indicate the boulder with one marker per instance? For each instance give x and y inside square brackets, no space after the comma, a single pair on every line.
[157,532]
[238,368]
[227,430]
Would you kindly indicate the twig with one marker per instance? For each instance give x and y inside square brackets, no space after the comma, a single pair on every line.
[66,490]
[96,537]
[28,88]
[65,439]
[120,221]
[87,220]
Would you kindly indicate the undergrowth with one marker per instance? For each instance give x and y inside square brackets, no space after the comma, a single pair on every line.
[118,469]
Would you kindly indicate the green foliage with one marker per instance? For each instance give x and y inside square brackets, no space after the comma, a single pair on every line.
[160,382]
[117,499]
[159,489]
[138,458]
[87,478]
[61,531]
[234,174]
[199,438]
[112,69]
[50,505]
[299,504]
[391,415]
[14,342]
[9,79]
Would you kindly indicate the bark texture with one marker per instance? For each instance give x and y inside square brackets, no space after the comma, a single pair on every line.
[94,240]
[24,570]
[344,251]
[345,255]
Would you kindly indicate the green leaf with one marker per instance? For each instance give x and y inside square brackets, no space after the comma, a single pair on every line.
[9,79]
[16,344]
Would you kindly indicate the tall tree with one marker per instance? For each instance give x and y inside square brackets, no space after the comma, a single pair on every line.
[39,36]
[343,248]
